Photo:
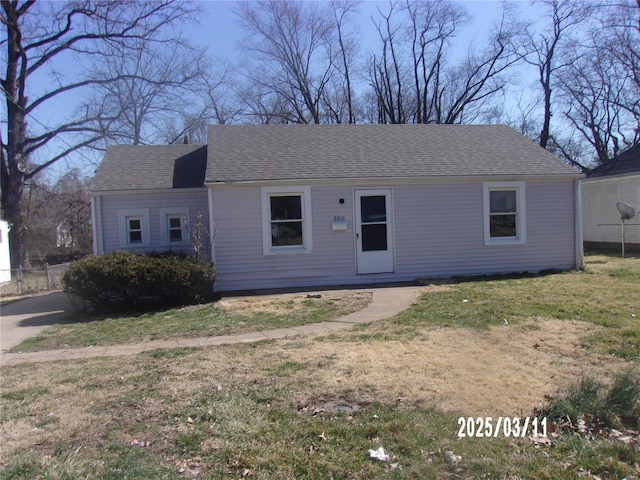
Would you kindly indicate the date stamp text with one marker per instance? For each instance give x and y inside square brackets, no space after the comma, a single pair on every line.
[490,427]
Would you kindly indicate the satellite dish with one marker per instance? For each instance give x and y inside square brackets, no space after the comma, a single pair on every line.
[627,212]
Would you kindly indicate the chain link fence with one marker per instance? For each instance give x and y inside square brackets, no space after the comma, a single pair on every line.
[34,280]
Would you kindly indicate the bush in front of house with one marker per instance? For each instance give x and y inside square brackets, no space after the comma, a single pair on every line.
[126,281]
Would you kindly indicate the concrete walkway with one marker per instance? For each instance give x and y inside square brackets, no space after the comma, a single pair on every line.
[27,317]
[386,302]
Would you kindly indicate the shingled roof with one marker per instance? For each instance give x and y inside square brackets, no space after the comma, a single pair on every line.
[244,153]
[240,153]
[627,162]
[151,167]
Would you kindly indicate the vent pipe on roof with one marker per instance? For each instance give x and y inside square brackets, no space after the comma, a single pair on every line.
[186,139]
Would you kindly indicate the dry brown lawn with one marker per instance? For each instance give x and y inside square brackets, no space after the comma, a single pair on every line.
[506,370]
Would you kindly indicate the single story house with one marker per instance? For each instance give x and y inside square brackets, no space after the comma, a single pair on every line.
[319,205]
[615,181]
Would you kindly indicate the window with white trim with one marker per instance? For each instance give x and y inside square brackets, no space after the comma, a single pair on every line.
[174,225]
[286,219]
[504,213]
[134,227]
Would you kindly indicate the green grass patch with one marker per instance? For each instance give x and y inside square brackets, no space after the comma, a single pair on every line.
[286,369]
[601,295]
[114,463]
[169,353]
[484,303]
[25,394]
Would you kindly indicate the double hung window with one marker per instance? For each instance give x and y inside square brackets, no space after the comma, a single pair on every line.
[504,213]
[286,219]
[173,225]
[134,227]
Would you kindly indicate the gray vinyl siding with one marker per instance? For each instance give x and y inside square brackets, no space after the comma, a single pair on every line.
[599,198]
[438,233]
[445,237]
[240,262]
[197,202]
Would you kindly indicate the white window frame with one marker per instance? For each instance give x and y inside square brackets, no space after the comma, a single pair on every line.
[305,199]
[174,212]
[521,209]
[123,219]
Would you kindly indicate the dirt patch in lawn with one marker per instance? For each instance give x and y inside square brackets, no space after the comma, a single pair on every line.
[347,300]
[506,370]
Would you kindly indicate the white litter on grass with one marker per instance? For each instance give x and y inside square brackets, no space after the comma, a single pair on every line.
[452,459]
[379,454]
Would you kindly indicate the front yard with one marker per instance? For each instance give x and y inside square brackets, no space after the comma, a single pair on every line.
[312,407]
[227,317]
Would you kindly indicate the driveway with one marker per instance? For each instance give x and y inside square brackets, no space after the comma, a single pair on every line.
[25,318]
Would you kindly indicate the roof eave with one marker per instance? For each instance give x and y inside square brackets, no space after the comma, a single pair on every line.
[146,191]
[397,180]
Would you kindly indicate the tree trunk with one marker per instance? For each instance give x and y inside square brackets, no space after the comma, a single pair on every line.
[13,164]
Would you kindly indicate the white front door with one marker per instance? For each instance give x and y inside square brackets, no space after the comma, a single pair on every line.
[374,231]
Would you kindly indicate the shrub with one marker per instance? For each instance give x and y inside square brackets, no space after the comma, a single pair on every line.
[124,281]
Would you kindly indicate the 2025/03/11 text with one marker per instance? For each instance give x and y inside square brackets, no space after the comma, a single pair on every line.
[487,427]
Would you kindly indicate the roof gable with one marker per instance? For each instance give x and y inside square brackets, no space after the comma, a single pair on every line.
[239,153]
[625,163]
[151,167]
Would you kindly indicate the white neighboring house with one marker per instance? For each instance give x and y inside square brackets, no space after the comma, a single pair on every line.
[5,257]
[615,181]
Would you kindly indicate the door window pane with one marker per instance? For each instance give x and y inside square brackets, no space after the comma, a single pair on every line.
[373,209]
[374,237]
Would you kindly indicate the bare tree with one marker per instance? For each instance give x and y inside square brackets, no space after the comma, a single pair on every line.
[601,92]
[432,25]
[38,36]
[592,92]
[265,106]
[551,50]
[57,218]
[414,76]
[339,100]
[155,83]
[388,73]
[624,47]
[289,41]
[223,97]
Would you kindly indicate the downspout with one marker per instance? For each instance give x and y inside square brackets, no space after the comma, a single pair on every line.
[96,224]
[212,230]
[579,247]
